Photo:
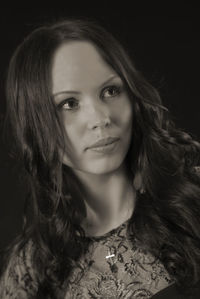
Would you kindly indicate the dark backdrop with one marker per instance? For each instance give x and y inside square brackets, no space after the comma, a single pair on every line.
[165,49]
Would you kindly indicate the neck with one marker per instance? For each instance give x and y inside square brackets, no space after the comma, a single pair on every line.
[109,198]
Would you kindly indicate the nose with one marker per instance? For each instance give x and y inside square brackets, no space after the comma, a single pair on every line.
[98,116]
[103,123]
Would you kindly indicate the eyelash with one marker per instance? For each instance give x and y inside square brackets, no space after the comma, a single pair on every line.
[118,90]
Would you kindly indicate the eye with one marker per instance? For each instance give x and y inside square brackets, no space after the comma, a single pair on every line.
[68,104]
[111,91]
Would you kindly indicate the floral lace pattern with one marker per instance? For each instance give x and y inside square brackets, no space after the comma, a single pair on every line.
[129,272]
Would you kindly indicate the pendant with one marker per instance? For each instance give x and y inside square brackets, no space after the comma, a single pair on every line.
[112,263]
[109,255]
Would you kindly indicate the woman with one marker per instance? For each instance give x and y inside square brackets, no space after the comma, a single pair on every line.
[113,209]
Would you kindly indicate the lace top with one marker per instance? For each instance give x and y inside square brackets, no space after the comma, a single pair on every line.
[114,267]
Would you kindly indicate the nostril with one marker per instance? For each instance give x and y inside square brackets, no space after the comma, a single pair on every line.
[96,124]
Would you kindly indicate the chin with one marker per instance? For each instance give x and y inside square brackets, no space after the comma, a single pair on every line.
[103,168]
[100,166]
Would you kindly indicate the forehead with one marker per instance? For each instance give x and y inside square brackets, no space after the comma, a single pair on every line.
[77,65]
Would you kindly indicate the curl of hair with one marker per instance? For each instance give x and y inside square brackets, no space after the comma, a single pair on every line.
[166,219]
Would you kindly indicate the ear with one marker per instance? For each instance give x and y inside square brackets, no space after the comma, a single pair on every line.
[137,183]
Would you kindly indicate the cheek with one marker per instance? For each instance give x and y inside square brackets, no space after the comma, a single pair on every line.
[73,145]
[73,130]
[73,139]
[122,114]
[127,116]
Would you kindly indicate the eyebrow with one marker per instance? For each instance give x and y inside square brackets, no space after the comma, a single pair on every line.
[77,92]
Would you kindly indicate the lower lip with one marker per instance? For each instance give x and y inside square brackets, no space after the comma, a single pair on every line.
[106,149]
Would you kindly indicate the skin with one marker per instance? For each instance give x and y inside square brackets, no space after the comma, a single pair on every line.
[99,107]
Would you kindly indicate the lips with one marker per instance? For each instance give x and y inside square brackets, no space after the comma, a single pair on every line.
[103,142]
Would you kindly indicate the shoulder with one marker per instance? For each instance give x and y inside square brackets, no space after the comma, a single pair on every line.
[19,280]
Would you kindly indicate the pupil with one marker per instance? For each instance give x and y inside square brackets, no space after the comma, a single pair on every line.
[112,90]
[71,103]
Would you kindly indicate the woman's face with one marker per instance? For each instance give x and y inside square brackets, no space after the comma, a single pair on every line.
[94,105]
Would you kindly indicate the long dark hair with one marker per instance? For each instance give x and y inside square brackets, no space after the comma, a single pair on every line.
[166,219]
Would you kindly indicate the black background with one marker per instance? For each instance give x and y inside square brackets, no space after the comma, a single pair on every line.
[164,48]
